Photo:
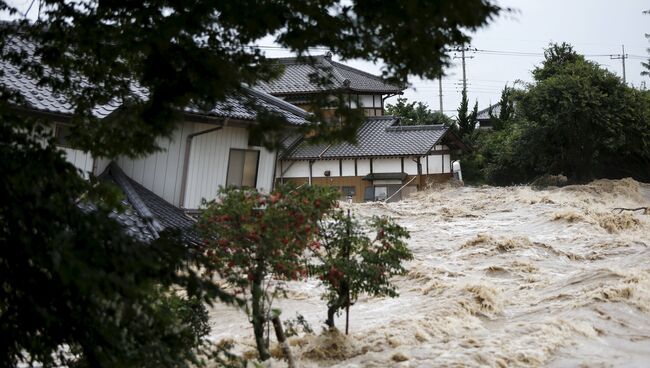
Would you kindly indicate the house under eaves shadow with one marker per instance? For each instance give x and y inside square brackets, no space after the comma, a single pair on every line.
[208,149]
[388,161]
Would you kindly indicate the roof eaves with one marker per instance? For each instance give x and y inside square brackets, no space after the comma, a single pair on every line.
[278,102]
[135,200]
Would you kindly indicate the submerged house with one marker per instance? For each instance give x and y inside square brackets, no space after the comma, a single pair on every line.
[388,162]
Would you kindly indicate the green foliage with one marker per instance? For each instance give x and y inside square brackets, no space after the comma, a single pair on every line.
[578,120]
[465,121]
[351,263]
[646,64]
[556,58]
[198,53]
[416,113]
[293,327]
[70,276]
[252,238]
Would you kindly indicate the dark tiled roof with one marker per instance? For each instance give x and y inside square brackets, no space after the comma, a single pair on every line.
[43,98]
[386,176]
[133,224]
[298,78]
[485,113]
[149,209]
[377,137]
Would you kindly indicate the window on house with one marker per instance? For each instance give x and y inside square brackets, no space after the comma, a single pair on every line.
[348,191]
[381,193]
[62,135]
[242,168]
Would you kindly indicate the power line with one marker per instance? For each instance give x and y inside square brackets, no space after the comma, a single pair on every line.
[621,56]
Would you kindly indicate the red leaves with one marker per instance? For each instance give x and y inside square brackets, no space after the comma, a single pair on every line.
[275,197]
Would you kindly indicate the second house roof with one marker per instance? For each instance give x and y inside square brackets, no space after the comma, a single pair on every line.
[298,77]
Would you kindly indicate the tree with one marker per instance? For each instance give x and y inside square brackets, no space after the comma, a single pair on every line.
[253,239]
[579,120]
[71,278]
[506,109]
[466,122]
[158,57]
[416,113]
[351,263]
[75,289]
[556,57]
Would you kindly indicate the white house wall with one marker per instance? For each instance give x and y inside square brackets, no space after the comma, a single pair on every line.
[363,167]
[319,167]
[387,165]
[164,173]
[265,169]
[101,164]
[80,159]
[293,169]
[208,164]
[410,166]
[348,167]
[439,164]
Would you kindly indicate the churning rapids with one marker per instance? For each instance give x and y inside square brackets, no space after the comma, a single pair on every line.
[501,277]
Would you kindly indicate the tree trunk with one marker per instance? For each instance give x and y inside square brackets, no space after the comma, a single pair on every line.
[258,318]
[279,333]
[341,302]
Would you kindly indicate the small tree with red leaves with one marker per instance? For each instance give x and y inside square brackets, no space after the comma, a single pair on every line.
[254,238]
[352,263]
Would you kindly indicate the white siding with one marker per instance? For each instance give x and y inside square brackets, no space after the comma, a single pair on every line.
[101,164]
[319,167]
[411,167]
[161,172]
[348,167]
[439,164]
[363,167]
[208,164]
[265,171]
[80,159]
[294,169]
[387,165]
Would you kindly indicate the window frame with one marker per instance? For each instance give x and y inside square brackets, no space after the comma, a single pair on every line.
[257,166]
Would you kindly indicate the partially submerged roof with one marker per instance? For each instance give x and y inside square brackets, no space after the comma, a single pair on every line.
[147,215]
[43,99]
[298,78]
[380,136]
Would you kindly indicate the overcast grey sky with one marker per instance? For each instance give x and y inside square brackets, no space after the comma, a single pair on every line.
[593,27]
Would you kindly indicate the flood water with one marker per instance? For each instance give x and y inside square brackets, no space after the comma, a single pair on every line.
[501,277]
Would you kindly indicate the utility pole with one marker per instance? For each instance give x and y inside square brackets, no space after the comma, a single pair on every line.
[622,56]
[440,91]
[463,57]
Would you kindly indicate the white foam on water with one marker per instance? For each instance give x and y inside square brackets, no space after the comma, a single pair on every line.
[502,277]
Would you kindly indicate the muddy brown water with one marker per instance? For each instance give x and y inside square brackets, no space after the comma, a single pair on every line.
[502,277]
